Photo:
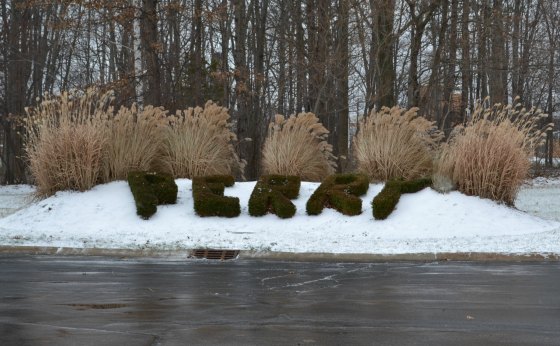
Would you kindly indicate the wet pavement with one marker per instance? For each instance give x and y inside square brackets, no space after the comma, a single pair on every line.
[101,301]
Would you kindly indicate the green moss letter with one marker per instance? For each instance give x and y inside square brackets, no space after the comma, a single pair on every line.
[272,193]
[151,189]
[341,192]
[209,199]
[385,202]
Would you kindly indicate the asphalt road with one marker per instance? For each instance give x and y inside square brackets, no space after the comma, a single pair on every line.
[100,301]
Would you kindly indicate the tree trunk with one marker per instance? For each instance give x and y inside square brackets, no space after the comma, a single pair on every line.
[466,74]
[151,48]
[431,96]
[342,102]
[515,38]
[18,72]
[282,28]
[260,9]
[482,76]
[137,49]
[449,81]
[301,86]
[418,24]
[498,64]
[196,56]
[384,15]
[242,87]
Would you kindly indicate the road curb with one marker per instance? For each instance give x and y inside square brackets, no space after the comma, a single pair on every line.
[411,257]
[288,256]
[69,251]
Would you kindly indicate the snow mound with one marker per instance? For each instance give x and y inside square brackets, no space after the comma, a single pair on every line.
[426,221]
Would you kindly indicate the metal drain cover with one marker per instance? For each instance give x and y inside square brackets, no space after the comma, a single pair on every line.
[214,254]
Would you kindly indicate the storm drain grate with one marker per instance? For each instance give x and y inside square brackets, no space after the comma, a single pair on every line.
[215,254]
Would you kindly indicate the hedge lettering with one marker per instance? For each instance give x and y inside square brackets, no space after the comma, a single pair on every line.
[151,189]
[385,202]
[209,199]
[340,192]
[273,193]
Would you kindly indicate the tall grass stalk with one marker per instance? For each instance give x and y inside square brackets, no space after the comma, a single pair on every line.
[198,142]
[396,143]
[65,140]
[490,156]
[134,139]
[298,146]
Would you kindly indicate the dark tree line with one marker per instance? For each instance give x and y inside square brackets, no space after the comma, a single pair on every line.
[337,58]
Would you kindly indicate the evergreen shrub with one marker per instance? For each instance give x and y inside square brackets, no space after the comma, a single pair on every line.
[209,199]
[385,202]
[413,186]
[340,192]
[273,193]
[151,189]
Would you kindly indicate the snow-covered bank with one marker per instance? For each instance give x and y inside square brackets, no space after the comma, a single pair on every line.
[540,197]
[427,221]
[15,197]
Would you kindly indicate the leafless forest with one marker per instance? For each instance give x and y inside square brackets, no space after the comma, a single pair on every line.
[336,58]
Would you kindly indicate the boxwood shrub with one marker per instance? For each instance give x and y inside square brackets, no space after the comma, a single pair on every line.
[151,189]
[385,202]
[341,192]
[273,193]
[209,199]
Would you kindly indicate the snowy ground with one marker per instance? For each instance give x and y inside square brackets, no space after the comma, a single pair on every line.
[427,221]
[14,197]
[540,197]
[541,161]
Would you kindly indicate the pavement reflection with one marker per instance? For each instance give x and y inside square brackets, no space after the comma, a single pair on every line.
[102,301]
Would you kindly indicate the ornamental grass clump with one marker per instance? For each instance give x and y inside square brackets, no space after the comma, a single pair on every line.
[65,139]
[396,143]
[490,156]
[199,142]
[297,146]
[134,139]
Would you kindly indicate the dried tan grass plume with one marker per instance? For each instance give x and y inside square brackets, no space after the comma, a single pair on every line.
[298,146]
[134,141]
[65,140]
[396,143]
[198,142]
[490,156]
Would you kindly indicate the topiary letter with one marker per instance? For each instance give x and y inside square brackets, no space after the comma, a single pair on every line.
[151,189]
[339,191]
[209,199]
[385,202]
[272,193]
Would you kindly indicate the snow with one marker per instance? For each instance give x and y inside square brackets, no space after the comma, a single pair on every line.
[424,222]
[541,161]
[14,197]
[542,182]
[541,197]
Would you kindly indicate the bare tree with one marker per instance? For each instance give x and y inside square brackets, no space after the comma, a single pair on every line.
[338,58]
